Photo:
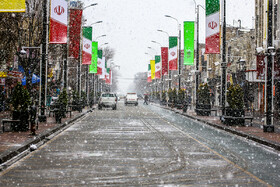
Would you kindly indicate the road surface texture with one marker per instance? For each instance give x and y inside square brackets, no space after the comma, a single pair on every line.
[143,146]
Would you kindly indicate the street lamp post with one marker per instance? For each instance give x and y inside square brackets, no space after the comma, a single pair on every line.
[197,75]
[88,85]
[155,54]
[169,72]
[224,64]
[179,38]
[43,117]
[161,71]
[80,56]
[269,127]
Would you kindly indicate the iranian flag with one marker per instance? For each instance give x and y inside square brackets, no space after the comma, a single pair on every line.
[173,53]
[99,62]
[110,77]
[93,66]
[212,43]
[164,60]
[157,67]
[87,45]
[107,77]
[75,22]
[58,22]
[149,73]
[103,61]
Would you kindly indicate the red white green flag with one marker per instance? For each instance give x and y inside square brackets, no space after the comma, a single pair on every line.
[103,66]
[149,73]
[157,67]
[99,63]
[58,22]
[212,43]
[110,77]
[173,53]
[87,45]
[107,77]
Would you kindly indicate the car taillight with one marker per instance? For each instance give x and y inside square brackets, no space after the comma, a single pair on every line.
[116,99]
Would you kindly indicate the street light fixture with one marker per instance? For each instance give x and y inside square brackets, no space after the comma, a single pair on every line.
[90,5]
[153,49]
[100,37]
[104,44]
[156,43]
[179,37]
[96,22]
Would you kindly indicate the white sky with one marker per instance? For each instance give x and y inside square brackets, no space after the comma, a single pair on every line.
[131,25]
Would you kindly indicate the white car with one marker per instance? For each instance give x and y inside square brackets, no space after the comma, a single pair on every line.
[108,100]
[131,98]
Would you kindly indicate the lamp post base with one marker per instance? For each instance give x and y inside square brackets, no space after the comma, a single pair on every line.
[268,128]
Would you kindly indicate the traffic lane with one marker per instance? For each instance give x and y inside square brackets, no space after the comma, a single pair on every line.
[260,160]
[128,147]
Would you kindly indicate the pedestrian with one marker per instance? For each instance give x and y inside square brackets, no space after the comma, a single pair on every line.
[212,99]
[146,98]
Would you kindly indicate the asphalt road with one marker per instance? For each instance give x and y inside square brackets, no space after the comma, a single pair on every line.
[143,145]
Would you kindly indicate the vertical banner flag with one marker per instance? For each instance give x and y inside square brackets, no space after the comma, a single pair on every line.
[87,45]
[12,6]
[99,62]
[58,22]
[110,77]
[164,60]
[149,73]
[152,62]
[173,53]
[93,66]
[188,43]
[75,32]
[157,67]
[212,43]
[107,76]
[103,61]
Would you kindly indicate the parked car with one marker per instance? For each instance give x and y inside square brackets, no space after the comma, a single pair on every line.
[107,100]
[131,98]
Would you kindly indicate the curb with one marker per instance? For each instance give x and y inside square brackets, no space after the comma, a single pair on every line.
[9,154]
[260,140]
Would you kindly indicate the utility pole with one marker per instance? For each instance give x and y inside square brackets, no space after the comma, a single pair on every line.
[269,86]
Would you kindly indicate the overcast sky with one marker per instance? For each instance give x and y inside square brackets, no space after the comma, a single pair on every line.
[131,25]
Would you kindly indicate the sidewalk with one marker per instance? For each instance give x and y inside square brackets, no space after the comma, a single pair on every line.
[254,132]
[13,143]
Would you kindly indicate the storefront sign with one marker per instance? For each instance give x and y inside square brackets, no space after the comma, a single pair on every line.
[3,74]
